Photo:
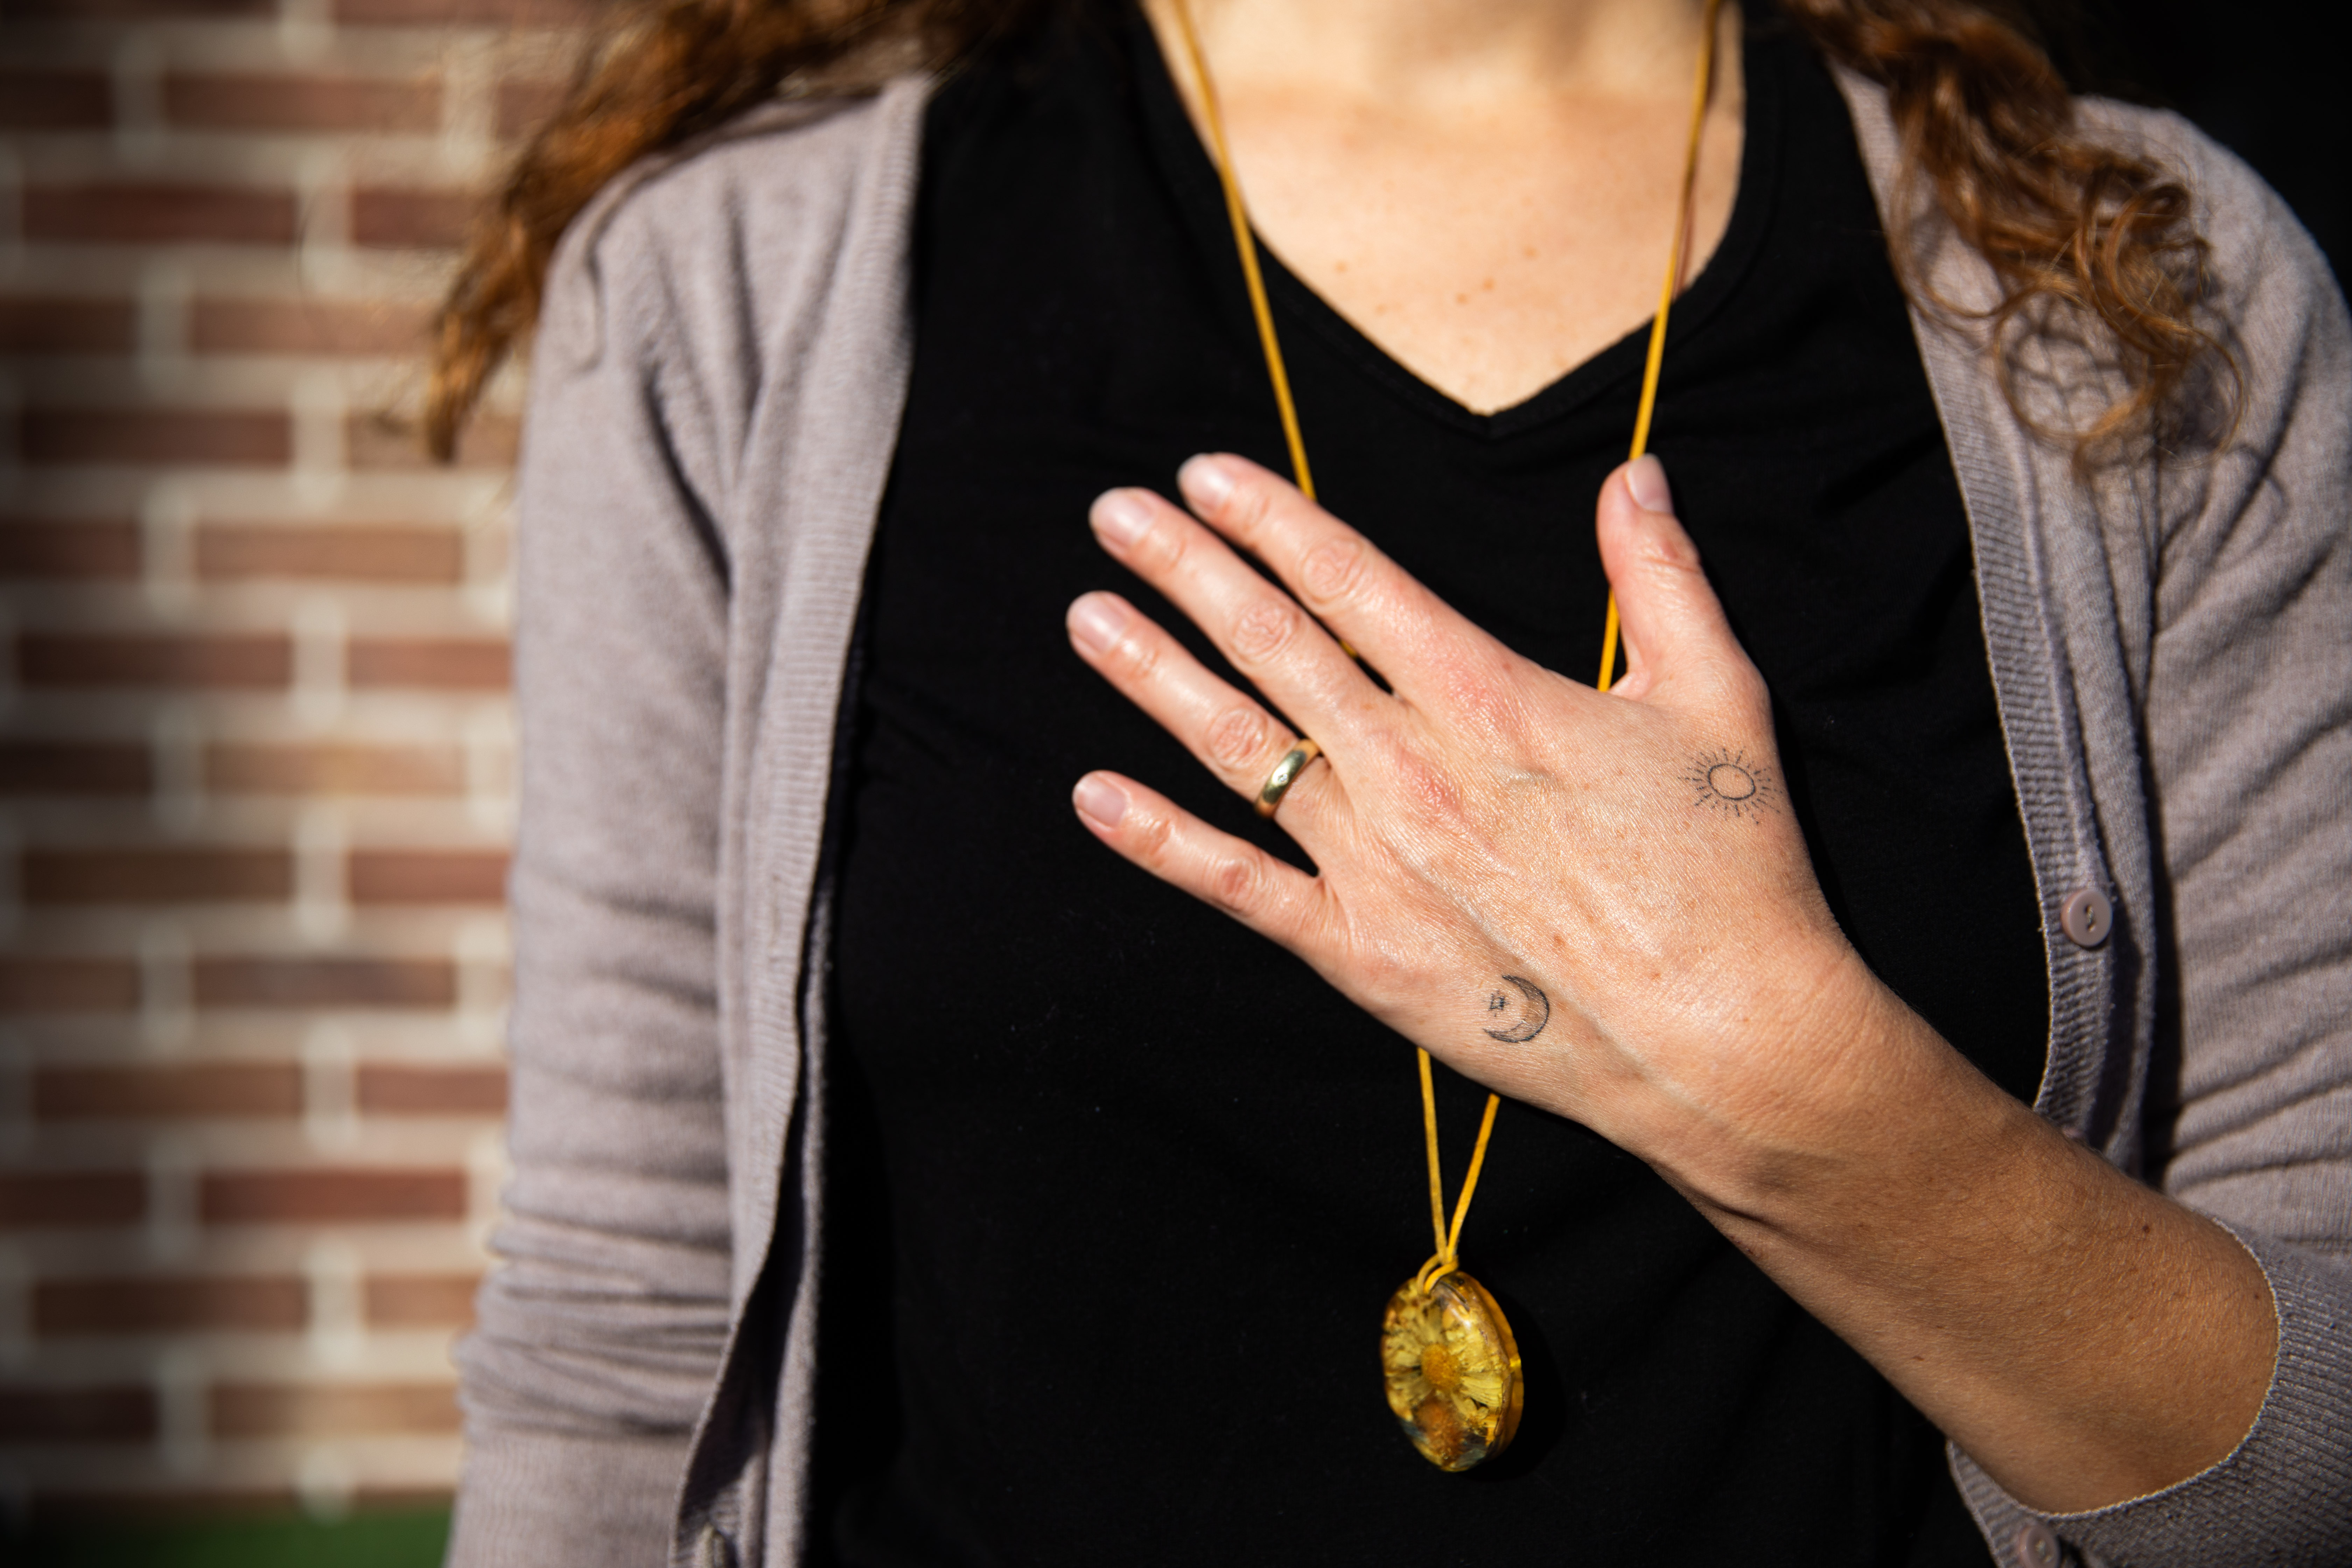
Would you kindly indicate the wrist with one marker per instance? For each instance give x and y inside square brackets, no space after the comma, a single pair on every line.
[1808,1085]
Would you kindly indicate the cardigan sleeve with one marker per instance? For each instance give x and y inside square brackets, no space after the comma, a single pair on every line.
[601,1330]
[2248,720]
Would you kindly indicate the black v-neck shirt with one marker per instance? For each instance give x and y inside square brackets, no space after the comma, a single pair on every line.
[1116,1189]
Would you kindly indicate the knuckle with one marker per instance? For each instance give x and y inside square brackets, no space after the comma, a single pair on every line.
[1149,840]
[1739,685]
[1248,509]
[1236,736]
[1161,551]
[1138,657]
[1265,628]
[1385,968]
[1409,772]
[1333,570]
[1479,692]
[1748,683]
[1425,784]
[1677,550]
[1234,883]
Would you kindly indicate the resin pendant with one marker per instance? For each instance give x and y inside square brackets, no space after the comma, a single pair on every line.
[1453,1370]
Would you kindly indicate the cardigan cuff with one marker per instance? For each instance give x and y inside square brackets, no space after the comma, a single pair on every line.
[549,1499]
[2282,1499]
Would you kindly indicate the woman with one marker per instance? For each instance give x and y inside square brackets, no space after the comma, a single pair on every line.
[900,1179]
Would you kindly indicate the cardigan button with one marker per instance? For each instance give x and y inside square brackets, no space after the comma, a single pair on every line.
[2037,1546]
[2086,917]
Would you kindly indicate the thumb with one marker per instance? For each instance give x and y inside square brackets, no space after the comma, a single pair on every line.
[1674,630]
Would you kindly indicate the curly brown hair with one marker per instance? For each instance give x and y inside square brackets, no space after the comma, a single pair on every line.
[2072,227]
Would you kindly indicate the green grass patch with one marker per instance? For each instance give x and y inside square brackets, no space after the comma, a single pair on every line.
[410,1538]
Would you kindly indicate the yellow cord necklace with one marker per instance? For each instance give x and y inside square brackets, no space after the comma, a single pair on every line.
[1447,1355]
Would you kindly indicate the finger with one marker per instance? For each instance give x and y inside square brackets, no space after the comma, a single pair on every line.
[1260,628]
[1676,637]
[1425,648]
[1277,901]
[1232,736]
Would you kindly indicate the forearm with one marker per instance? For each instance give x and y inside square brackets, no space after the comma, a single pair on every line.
[2084,1339]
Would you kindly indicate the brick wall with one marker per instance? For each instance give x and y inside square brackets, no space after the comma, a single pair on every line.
[255,751]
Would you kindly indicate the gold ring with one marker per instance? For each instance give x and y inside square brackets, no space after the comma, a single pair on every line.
[1285,774]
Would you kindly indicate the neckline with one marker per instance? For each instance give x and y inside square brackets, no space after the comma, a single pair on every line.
[1187,163]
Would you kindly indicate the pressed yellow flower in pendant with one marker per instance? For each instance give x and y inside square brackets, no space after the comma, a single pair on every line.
[1453,1370]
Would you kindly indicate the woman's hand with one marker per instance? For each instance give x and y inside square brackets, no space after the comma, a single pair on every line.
[1598,904]
[1601,905]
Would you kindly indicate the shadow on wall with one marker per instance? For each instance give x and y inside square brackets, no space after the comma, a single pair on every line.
[254,747]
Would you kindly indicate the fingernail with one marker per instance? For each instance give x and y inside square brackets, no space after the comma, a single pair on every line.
[1646,478]
[1205,482]
[1097,621]
[1100,801]
[1121,517]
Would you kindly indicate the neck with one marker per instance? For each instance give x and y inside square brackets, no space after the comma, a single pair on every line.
[1442,56]
[1487,188]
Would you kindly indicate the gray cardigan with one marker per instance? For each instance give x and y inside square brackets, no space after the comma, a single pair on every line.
[719,378]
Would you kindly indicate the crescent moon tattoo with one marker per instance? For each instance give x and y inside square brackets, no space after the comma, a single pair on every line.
[1525,1015]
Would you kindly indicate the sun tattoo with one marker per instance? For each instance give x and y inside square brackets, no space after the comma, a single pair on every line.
[1732,784]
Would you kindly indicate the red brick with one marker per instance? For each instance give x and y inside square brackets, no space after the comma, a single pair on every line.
[312,1195]
[427,877]
[30,986]
[64,1200]
[66,1309]
[76,768]
[38,326]
[391,219]
[45,1415]
[96,551]
[523,106]
[54,100]
[405,1089]
[172,875]
[421,1301]
[438,664]
[162,1093]
[499,14]
[253,102]
[158,214]
[178,435]
[229,661]
[322,1410]
[348,552]
[372,441]
[263,982]
[348,768]
[307,326]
